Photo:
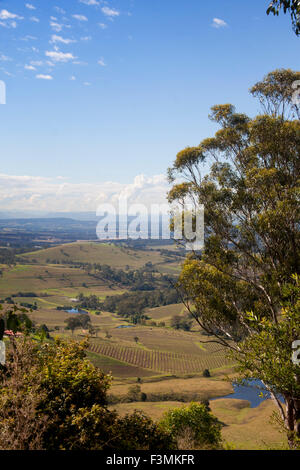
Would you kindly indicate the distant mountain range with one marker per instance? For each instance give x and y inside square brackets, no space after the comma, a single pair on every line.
[6,215]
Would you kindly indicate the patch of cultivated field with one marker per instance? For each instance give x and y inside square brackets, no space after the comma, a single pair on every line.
[42,279]
[53,317]
[169,268]
[166,312]
[117,368]
[244,428]
[49,317]
[159,361]
[169,340]
[102,253]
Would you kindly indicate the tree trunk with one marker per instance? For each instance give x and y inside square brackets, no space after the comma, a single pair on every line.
[292,421]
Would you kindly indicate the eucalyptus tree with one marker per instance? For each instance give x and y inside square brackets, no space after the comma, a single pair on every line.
[288,6]
[243,287]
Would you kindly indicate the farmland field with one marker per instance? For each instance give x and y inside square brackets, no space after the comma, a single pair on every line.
[166,312]
[52,275]
[168,364]
[160,361]
[103,253]
[117,368]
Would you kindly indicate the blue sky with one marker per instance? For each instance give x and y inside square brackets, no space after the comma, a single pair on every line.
[100,93]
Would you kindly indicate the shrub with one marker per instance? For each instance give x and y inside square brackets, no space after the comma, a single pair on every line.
[53,398]
[195,420]
[134,393]
[138,432]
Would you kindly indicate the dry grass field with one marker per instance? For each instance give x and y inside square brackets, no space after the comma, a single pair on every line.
[244,428]
[165,313]
[202,387]
[92,252]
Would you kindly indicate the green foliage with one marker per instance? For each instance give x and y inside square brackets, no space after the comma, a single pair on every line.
[267,355]
[134,304]
[78,321]
[288,6]
[91,302]
[43,332]
[53,398]
[138,432]
[16,320]
[7,256]
[205,428]
[134,393]
[252,237]
[206,373]
[181,322]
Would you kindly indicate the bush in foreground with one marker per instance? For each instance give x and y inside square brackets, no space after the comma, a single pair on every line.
[53,398]
[193,426]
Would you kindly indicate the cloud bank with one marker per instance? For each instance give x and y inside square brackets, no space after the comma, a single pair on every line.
[36,193]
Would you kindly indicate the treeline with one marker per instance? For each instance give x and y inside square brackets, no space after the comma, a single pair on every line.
[146,278]
[10,301]
[131,304]
[140,279]
[134,304]
[91,302]
[7,256]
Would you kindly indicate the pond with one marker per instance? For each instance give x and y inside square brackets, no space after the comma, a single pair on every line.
[249,392]
[77,311]
[125,326]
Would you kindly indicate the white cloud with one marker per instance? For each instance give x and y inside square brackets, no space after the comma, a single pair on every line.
[8,19]
[110,11]
[102,25]
[44,77]
[55,194]
[59,39]
[36,63]
[29,67]
[58,56]
[218,23]
[80,17]
[4,58]
[56,26]
[101,62]
[34,19]
[29,38]
[6,15]
[90,2]
[30,7]
[60,10]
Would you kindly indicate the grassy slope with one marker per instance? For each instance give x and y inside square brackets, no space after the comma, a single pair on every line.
[204,388]
[166,312]
[245,428]
[88,252]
